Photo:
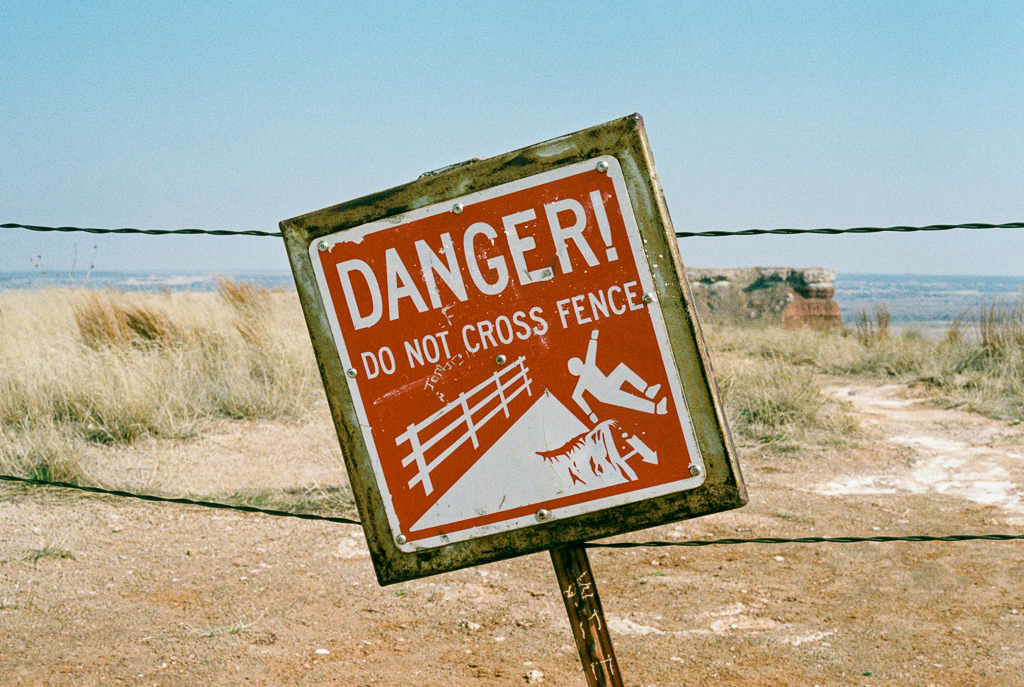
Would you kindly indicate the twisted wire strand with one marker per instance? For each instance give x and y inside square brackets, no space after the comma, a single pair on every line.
[852,230]
[184,501]
[806,540]
[590,545]
[150,232]
[679,234]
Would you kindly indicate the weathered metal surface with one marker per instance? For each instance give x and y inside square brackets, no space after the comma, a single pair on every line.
[586,617]
[717,484]
[529,374]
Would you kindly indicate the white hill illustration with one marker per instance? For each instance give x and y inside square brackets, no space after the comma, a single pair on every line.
[511,474]
[545,455]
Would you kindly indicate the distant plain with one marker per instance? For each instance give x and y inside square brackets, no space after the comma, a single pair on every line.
[912,299]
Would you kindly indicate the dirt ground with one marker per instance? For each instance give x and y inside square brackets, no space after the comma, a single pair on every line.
[148,594]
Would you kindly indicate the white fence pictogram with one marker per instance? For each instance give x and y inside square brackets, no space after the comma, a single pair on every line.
[505,380]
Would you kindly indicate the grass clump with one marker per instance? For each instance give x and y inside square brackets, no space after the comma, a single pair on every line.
[47,551]
[108,319]
[873,332]
[314,499]
[989,376]
[40,452]
[1001,327]
[236,628]
[771,402]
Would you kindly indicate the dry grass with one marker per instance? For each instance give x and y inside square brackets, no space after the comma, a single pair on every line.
[772,403]
[873,332]
[309,499]
[85,367]
[107,319]
[47,551]
[986,376]
[232,629]
[83,370]
[1001,327]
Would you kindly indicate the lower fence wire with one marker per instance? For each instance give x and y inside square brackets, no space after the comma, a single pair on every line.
[806,540]
[589,545]
[183,501]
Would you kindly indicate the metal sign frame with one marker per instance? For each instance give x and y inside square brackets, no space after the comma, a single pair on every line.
[717,483]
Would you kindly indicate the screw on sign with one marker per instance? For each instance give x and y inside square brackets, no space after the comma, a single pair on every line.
[512,366]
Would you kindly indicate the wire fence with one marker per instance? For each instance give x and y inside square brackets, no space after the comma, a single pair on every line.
[613,545]
[594,545]
[148,232]
[679,234]
[183,501]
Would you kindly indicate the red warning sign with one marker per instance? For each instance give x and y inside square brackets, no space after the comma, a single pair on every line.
[507,357]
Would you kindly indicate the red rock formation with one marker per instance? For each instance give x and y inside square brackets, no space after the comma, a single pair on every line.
[794,298]
[812,307]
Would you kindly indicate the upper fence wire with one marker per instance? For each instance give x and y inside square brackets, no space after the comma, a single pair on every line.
[679,234]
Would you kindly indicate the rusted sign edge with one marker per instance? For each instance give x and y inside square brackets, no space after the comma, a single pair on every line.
[626,140]
[689,348]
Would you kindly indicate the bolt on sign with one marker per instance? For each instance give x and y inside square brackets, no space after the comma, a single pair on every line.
[511,357]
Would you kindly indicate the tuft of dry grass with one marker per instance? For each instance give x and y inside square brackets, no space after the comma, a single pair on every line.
[41,452]
[772,402]
[311,499]
[231,629]
[873,332]
[954,335]
[1001,327]
[47,551]
[84,367]
[107,319]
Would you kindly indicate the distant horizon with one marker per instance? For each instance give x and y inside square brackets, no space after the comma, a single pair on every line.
[269,271]
[910,299]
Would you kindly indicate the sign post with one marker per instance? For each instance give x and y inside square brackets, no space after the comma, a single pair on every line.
[586,617]
[511,357]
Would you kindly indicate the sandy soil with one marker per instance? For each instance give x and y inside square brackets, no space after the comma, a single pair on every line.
[172,595]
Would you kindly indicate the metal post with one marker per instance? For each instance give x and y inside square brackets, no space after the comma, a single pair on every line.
[579,592]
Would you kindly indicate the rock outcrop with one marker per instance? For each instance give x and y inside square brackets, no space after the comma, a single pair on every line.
[791,297]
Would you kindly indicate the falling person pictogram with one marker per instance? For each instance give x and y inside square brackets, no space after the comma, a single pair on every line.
[594,458]
[610,389]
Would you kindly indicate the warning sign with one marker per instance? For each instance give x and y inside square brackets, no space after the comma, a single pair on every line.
[507,356]
[510,355]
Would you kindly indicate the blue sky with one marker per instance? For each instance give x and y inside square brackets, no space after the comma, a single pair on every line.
[223,115]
